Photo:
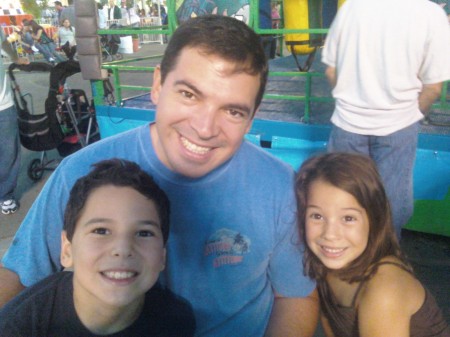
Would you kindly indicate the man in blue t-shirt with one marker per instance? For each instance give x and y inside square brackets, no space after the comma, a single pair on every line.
[234,250]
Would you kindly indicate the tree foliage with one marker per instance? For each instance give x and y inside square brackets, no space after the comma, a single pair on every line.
[32,7]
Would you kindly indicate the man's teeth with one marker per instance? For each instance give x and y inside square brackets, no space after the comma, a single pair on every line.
[193,147]
[119,275]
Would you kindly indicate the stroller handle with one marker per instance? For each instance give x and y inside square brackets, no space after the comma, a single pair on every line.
[33,66]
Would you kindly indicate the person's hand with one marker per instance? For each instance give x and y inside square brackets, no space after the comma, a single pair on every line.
[22,60]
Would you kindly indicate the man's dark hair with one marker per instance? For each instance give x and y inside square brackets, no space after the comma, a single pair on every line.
[58,3]
[120,173]
[223,36]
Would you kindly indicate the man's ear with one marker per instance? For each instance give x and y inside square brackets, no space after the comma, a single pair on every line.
[66,251]
[156,87]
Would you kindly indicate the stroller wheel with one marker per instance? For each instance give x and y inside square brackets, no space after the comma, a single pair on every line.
[118,56]
[35,170]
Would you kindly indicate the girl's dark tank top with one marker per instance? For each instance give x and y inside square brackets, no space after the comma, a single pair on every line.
[428,321]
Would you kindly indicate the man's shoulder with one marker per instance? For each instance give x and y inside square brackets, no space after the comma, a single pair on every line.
[118,143]
[258,157]
[68,9]
[260,154]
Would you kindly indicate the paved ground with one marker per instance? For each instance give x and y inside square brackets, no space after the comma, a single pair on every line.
[430,255]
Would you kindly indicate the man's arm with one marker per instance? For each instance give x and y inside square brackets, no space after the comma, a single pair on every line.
[10,285]
[429,94]
[330,73]
[296,317]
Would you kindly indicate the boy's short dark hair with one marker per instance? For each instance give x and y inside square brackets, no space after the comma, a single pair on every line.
[223,36]
[121,173]
[58,3]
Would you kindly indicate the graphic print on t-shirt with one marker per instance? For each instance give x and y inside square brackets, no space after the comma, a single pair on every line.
[227,246]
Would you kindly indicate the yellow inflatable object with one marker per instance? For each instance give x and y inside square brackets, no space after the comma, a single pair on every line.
[296,17]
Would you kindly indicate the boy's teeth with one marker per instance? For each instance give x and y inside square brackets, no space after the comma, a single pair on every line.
[119,275]
[193,147]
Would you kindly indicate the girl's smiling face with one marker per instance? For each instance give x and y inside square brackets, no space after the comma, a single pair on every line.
[337,226]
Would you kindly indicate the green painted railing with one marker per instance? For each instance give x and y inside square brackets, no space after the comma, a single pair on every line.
[115,67]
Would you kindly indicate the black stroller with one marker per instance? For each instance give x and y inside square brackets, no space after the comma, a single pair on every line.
[76,116]
[110,45]
[67,124]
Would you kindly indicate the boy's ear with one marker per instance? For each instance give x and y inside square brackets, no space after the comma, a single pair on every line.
[66,251]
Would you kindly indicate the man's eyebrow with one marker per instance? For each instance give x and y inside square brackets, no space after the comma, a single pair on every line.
[189,85]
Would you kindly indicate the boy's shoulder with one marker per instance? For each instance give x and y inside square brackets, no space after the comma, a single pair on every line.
[33,295]
[32,310]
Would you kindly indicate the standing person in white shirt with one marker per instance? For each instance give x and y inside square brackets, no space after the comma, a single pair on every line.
[386,62]
[101,17]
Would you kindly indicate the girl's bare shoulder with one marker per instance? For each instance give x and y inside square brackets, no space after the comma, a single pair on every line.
[392,287]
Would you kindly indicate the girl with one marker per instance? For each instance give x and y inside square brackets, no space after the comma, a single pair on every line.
[42,41]
[366,285]
[66,35]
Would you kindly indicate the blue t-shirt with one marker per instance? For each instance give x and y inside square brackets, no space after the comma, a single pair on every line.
[233,238]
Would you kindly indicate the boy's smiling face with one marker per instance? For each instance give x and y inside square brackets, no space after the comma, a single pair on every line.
[117,250]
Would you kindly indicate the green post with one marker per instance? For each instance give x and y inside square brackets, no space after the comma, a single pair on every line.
[97,92]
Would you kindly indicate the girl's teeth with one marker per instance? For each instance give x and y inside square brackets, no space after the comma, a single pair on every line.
[333,250]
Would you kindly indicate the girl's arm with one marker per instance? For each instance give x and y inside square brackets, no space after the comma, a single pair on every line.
[388,301]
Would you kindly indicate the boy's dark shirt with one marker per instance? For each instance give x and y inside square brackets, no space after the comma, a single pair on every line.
[47,309]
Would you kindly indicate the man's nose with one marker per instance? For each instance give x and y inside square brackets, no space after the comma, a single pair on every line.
[205,122]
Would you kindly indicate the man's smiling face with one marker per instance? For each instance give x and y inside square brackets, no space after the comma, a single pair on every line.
[204,109]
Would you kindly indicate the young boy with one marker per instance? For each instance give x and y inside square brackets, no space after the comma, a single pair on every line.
[116,225]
